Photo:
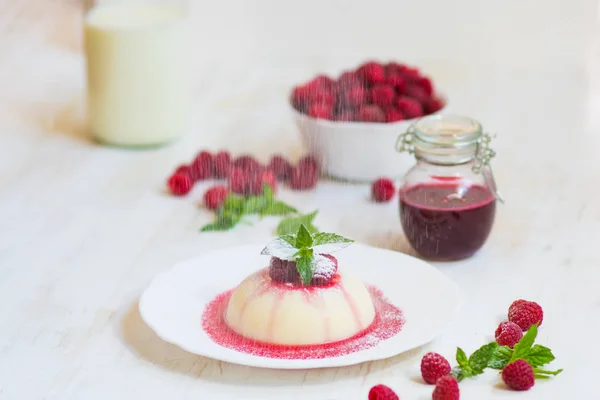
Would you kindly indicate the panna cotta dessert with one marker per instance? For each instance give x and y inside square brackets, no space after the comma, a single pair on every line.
[301,297]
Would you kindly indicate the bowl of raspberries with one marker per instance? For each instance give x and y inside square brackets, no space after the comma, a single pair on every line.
[350,124]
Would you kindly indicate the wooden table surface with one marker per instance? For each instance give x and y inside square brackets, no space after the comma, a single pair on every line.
[84,228]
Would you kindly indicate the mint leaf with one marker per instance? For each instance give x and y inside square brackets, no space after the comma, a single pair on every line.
[278,208]
[539,355]
[291,239]
[267,192]
[304,266]
[224,222]
[290,225]
[542,373]
[281,248]
[480,358]
[524,344]
[461,358]
[326,243]
[232,204]
[457,372]
[303,237]
[255,204]
[500,357]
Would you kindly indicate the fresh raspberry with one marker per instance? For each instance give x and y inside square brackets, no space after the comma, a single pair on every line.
[249,164]
[320,111]
[396,79]
[347,80]
[185,169]
[508,334]
[382,95]
[433,104]
[354,96]
[446,388]
[202,166]
[433,367]
[425,84]
[324,96]
[283,271]
[222,164]
[519,375]
[394,68]
[410,108]
[301,98]
[239,181]
[214,197]
[264,178]
[411,74]
[280,167]
[392,114]
[370,113]
[372,72]
[382,190]
[324,270]
[526,314]
[180,183]
[417,93]
[382,392]
[309,162]
[320,82]
[304,178]
[345,115]
[515,304]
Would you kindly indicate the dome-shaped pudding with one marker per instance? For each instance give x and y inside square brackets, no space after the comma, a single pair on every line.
[301,298]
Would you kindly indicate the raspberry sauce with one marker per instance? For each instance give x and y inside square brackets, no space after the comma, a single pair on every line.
[443,224]
[388,322]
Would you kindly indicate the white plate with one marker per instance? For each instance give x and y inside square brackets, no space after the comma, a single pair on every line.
[174,302]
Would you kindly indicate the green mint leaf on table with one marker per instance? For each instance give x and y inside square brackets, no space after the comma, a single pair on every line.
[480,359]
[461,358]
[278,208]
[545,374]
[522,348]
[500,357]
[255,204]
[539,355]
[304,265]
[303,237]
[291,224]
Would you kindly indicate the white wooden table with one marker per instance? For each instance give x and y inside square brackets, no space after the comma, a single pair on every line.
[84,228]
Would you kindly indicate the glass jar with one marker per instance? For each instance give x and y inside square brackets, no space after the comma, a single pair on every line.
[448,199]
[138,70]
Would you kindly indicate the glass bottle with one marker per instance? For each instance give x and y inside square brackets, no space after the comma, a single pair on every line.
[138,70]
[448,199]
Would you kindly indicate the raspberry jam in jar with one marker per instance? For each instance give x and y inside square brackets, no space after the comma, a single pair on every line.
[448,199]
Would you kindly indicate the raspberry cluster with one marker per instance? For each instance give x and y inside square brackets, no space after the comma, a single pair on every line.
[283,271]
[244,175]
[373,92]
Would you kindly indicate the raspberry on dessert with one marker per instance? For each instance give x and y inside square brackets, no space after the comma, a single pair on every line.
[417,93]
[320,111]
[283,271]
[345,115]
[508,334]
[526,314]
[264,178]
[396,79]
[222,164]
[519,375]
[214,197]
[446,388]
[382,95]
[324,270]
[370,113]
[409,107]
[382,190]
[433,367]
[392,114]
[180,183]
[425,84]
[239,181]
[280,167]
[202,166]
[382,392]
[248,163]
[372,72]
[354,95]
[433,104]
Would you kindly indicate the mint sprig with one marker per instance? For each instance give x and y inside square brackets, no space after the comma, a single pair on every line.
[236,208]
[291,224]
[475,364]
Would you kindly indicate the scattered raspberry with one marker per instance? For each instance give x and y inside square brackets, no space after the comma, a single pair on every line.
[433,367]
[345,115]
[515,304]
[222,164]
[309,162]
[382,95]
[320,111]
[396,79]
[304,178]
[202,166]
[249,164]
[382,190]
[324,270]
[239,181]
[372,73]
[264,178]
[446,388]
[283,271]
[180,183]
[525,314]
[409,107]
[508,334]
[392,114]
[280,167]
[382,392]
[354,95]
[370,113]
[433,104]
[519,375]
[417,93]
[185,169]
[214,197]
[425,84]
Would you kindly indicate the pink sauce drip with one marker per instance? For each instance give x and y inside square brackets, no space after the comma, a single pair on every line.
[388,323]
[353,307]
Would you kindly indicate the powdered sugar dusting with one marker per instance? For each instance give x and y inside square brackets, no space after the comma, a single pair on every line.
[388,323]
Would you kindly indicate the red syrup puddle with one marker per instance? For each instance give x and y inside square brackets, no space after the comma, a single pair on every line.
[388,323]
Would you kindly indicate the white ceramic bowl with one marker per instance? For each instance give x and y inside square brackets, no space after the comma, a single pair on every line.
[357,151]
